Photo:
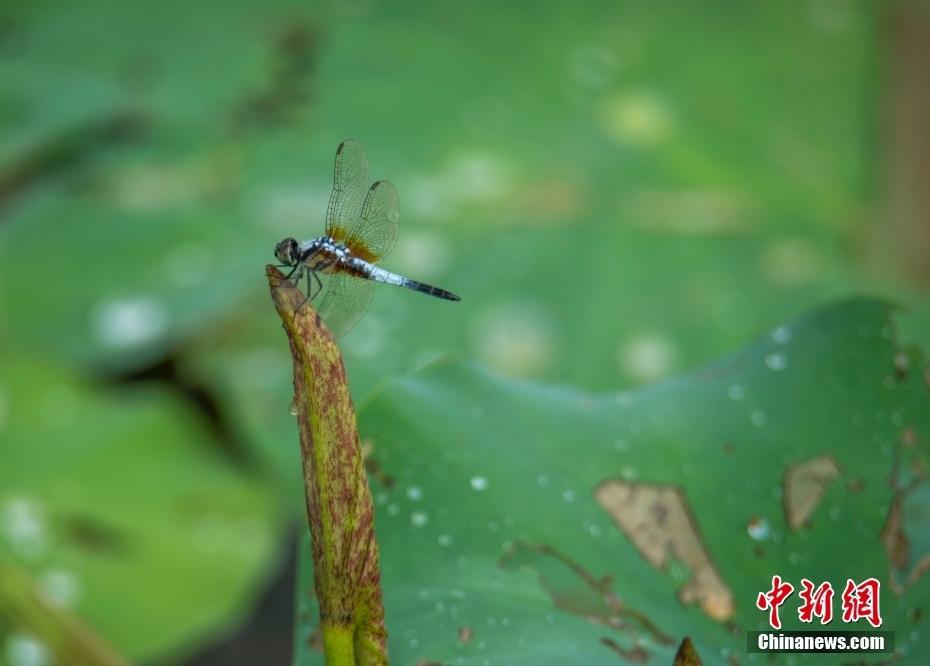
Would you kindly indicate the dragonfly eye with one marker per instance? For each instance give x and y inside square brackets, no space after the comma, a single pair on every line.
[286,251]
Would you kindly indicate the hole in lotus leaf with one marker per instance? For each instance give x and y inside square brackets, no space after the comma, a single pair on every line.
[804,486]
[901,365]
[315,640]
[901,516]
[465,635]
[576,590]
[372,467]
[657,519]
[893,537]
[855,484]
[635,654]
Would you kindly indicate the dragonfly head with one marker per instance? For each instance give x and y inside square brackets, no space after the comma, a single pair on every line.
[287,252]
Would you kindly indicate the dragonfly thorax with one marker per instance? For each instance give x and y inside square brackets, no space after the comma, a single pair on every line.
[323,253]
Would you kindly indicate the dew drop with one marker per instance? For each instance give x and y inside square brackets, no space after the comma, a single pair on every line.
[758,528]
[292,408]
[776,361]
[419,518]
[414,493]
[736,392]
[479,483]
[781,335]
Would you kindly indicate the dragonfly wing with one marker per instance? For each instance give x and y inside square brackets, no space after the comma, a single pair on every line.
[346,299]
[350,187]
[375,232]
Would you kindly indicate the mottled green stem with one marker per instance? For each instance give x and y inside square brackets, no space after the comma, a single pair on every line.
[339,506]
[25,610]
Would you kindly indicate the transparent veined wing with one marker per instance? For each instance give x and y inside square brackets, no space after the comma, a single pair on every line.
[345,300]
[375,232]
[350,187]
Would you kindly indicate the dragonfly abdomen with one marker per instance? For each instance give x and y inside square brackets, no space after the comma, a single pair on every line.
[431,290]
[381,275]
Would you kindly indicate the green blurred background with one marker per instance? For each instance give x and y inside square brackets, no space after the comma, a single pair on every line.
[620,192]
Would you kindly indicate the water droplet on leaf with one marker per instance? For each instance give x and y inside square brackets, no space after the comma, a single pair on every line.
[419,519]
[758,528]
[479,483]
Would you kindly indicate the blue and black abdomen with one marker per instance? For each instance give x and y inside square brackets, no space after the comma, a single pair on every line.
[431,290]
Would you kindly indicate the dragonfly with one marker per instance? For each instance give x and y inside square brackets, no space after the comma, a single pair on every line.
[361,229]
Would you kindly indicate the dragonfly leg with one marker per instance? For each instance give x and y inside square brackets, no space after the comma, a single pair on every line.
[309,288]
[311,294]
[299,269]
[319,286]
[310,277]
